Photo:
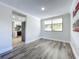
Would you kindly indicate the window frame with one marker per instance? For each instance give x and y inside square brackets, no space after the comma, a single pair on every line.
[52,24]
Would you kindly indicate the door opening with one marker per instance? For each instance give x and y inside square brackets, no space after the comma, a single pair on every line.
[18,29]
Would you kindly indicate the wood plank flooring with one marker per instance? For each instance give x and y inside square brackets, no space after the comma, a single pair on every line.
[40,49]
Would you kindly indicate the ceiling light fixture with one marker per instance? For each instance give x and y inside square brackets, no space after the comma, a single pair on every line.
[43,8]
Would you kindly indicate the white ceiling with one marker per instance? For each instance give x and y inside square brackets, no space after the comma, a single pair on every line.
[33,7]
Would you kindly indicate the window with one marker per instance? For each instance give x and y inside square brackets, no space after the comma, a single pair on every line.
[53,25]
[48,25]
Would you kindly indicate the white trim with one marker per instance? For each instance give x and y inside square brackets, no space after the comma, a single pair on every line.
[74,51]
[4,50]
[31,41]
[15,9]
[56,39]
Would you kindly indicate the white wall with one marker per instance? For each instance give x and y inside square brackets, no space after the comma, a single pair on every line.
[5,29]
[32,29]
[60,36]
[74,35]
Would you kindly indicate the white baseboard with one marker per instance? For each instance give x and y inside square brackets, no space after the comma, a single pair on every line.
[56,39]
[31,40]
[74,51]
[4,50]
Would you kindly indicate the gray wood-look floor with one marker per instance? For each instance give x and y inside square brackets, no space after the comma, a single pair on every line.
[40,49]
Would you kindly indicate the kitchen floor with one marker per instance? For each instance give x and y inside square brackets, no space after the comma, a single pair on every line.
[17,41]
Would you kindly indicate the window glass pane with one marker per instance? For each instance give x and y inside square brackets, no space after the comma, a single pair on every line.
[47,22]
[57,24]
[48,28]
[58,20]
[57,27]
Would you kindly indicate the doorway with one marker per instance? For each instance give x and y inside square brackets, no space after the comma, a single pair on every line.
[18,29]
